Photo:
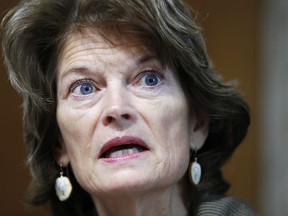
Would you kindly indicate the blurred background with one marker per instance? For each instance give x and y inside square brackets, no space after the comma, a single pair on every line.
[247,41]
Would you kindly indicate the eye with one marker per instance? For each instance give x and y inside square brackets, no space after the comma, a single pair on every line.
[150,79]
[83,87]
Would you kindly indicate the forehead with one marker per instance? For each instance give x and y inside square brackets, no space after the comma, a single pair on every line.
[88,38]
[89,48]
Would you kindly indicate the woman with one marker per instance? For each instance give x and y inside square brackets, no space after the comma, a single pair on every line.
[122,108]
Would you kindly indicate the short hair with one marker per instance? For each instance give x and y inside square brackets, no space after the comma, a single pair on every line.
[33,34]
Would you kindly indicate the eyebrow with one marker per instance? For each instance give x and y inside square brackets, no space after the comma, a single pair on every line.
[74,70]
[145,58]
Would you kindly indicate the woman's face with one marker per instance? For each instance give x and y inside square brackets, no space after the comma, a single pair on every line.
[123,117]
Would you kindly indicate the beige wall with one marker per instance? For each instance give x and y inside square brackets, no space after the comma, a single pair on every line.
[230,28]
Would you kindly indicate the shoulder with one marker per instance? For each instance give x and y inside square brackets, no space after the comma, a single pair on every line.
[224,205]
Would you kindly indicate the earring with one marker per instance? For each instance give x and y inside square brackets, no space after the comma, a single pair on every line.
[63,186]
[195,171]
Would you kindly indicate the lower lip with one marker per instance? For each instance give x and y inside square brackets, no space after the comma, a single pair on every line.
[123,158]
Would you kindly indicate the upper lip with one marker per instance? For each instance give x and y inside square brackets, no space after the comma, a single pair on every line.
[124,140]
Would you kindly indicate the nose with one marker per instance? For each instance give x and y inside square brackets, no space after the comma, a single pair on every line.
[117,115]
[118,110]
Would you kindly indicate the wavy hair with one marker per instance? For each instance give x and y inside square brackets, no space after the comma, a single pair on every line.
[33,34]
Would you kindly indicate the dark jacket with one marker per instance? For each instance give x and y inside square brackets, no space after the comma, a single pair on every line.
[224,206]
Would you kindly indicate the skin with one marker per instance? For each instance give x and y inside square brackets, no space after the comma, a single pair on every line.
[122,102]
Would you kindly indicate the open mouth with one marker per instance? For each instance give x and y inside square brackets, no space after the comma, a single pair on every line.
[122,150]
[123,147]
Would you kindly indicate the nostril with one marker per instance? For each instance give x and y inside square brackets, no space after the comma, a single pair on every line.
[125,116]
[109,119]
[118,115]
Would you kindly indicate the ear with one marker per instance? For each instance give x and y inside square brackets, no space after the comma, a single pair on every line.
[60,153]
[199,132]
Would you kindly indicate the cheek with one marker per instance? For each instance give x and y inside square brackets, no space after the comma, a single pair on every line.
[67,124]
[72,122]
[175,121]
[173,129]
[74,128]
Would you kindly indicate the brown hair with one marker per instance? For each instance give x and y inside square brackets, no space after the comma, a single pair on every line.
[32,37]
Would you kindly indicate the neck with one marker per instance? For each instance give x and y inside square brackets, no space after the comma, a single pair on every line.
[165,202]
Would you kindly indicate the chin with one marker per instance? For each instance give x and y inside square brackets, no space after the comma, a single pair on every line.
[129,184]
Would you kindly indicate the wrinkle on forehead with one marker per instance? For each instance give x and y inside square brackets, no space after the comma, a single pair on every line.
[81,48]
[87,36]
[112,39]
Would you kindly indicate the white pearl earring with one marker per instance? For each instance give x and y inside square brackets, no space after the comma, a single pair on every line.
[63,186]
[195,171]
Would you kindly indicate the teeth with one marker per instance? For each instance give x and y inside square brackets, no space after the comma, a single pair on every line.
[123,152]
[132,151]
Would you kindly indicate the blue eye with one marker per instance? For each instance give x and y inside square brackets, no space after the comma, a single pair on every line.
[83,87]
[151,79]
[86,88]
